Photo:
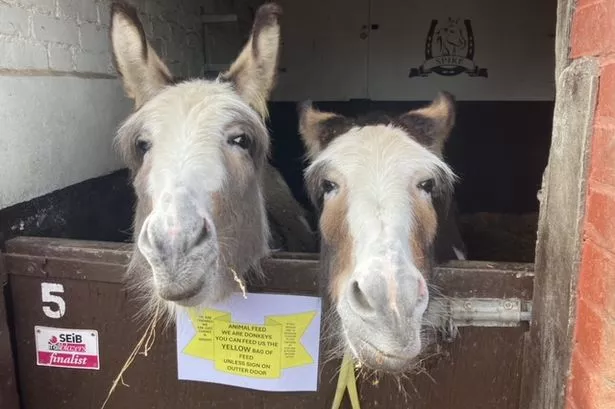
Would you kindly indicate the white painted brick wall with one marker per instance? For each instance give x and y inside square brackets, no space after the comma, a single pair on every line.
[77,10]
[93,62]
[104,13]
[17,53]
[94,37]
[54,30]
[14,21]
[60,57]
[73,97]
[40,6]
[74,34]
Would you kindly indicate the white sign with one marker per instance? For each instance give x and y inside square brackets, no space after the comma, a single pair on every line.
[266,342]
[67,348]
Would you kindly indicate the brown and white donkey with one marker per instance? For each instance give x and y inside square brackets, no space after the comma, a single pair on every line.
[383,192]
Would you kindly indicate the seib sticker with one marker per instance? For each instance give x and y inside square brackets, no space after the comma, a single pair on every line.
[67,348]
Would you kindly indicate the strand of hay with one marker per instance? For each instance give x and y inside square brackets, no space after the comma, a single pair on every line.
[238,280]
[147,342]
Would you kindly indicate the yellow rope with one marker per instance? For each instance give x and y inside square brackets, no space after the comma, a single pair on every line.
[346,381]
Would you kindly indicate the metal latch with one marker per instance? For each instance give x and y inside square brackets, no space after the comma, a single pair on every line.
[448,314]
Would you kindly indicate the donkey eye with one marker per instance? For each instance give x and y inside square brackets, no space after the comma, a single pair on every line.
[143,146]
[328,186]
[240,140]
[427,186]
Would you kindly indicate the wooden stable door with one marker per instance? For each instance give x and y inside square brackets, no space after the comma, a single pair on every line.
[479,369]
[9,398]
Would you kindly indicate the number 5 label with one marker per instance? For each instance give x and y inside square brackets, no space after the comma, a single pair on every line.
[48,297]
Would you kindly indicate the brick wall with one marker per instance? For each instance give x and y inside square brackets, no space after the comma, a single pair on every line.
[72,35]
[61,101]
[591,382]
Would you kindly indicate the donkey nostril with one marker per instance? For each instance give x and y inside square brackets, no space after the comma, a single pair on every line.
[155,241]
[358,299]
[202,236]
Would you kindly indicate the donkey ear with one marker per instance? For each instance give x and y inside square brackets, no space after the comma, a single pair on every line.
[432,125]
[254,70]
[319,128]
[143,73]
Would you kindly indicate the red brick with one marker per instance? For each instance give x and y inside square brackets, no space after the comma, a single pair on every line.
[580,391]
[597,278]
[606,93]
[594,336]
[589,336]
[606,398]
[600,215]
[588,389]
[593,29]
[570,404]
[607,369]
[603,154]
[584,3]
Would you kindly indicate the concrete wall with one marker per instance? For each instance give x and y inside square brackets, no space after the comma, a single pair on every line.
[60,98]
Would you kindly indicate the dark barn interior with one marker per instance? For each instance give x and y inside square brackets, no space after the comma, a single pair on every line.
[498,149]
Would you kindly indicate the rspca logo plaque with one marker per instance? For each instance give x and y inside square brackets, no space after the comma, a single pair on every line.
[449,50]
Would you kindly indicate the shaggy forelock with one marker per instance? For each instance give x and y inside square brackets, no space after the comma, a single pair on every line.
[425,161]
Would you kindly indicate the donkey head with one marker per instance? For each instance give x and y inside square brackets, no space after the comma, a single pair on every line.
[380,185]
[197,150]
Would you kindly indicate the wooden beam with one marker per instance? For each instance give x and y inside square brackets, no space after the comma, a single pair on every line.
[558,248]
[286,272]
